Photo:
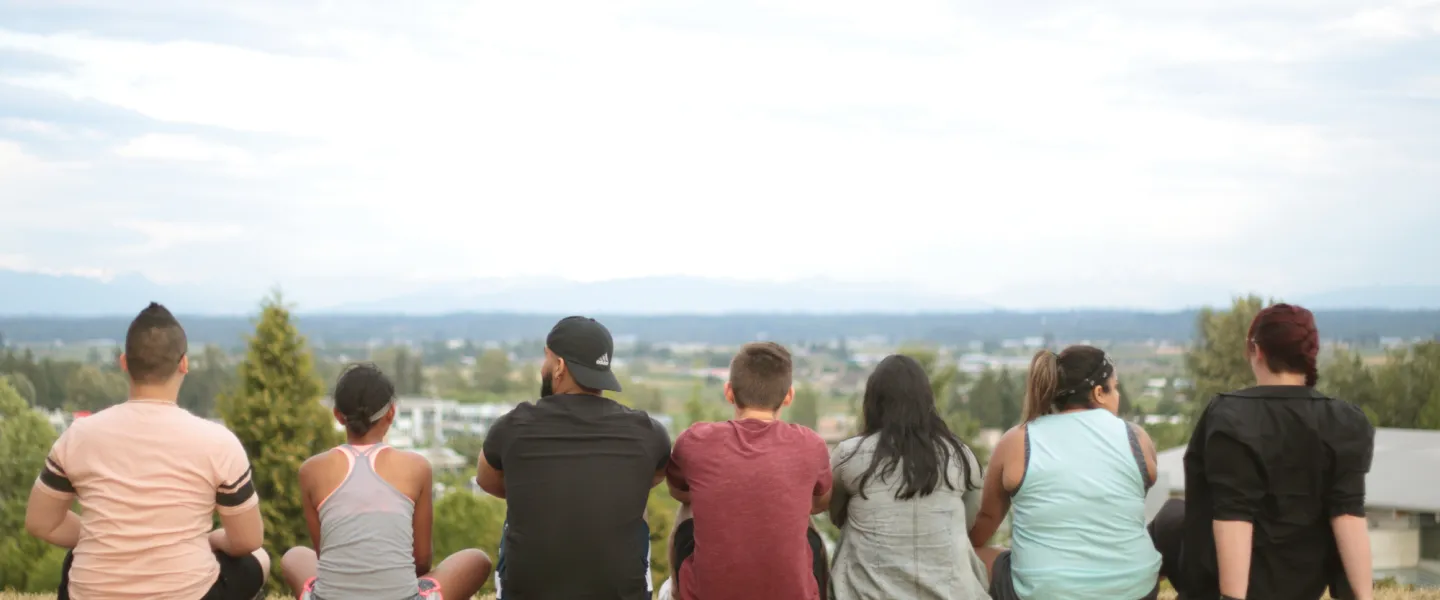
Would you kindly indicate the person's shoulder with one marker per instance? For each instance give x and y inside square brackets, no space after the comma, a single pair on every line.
[852,444]
[805,433]
[413,462]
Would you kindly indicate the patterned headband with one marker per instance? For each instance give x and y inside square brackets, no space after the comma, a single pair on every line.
[1101,374]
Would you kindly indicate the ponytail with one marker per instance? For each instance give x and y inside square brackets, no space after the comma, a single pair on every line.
[1041,385]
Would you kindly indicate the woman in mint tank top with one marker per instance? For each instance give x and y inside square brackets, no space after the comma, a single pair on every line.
[1073,477]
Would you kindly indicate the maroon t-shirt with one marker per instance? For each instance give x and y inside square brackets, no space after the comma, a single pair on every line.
[751,485]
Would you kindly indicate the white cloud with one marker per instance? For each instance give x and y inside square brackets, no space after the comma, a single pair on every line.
[922,138]
[155,146]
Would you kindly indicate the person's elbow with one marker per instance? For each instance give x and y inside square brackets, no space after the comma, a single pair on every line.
[820,504]
[492,484]
[244,532]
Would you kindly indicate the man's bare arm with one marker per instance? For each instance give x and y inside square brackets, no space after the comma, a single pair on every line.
[491,480]
[48,517]
[240,533]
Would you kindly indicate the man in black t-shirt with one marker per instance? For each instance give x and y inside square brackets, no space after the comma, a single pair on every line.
[575,469]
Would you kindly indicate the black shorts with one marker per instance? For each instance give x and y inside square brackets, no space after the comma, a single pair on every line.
[240,578]
[685,547]
[1002,587]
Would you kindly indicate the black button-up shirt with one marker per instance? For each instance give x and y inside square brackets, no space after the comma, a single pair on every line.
[1286,459]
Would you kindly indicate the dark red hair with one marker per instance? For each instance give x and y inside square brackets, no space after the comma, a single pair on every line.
[1287,335]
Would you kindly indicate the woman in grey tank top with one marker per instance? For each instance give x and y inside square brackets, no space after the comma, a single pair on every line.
[369,511]
[905,494]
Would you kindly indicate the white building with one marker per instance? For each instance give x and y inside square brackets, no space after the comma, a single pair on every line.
[1402,499]
[429,422]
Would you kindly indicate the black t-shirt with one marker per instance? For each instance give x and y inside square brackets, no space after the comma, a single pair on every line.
[1287,459]
[578,471]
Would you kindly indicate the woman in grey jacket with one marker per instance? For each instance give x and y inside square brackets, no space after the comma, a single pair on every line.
[906,491]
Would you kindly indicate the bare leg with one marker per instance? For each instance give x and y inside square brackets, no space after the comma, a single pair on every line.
[264,558]
[462,574]
[298,566]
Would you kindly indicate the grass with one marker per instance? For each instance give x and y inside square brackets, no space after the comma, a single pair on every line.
[1380,594]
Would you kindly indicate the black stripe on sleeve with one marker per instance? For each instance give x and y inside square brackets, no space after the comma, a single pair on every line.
[237,497]
[55,481]
[54,466]
[243,478]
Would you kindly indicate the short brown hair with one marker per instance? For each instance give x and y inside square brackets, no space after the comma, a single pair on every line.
[154,345]
[761,375]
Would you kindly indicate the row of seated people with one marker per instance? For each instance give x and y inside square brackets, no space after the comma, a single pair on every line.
[1274,486]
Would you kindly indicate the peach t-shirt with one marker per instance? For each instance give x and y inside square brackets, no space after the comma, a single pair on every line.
[149,475]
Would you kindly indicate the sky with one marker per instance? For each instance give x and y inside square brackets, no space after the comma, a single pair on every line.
[1110,151]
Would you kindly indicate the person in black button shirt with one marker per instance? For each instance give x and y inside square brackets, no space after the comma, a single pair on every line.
[575,469]
[1274,503]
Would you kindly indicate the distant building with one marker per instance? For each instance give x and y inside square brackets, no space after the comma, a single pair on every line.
[430,422]
[1401,498]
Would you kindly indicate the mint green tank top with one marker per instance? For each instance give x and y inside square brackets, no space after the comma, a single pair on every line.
[1078,518]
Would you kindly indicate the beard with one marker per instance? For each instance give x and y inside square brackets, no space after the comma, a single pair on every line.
[546,385]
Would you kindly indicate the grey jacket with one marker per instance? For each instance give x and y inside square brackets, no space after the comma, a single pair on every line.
[914,549]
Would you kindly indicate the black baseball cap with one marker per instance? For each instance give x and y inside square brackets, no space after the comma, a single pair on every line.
[587,348]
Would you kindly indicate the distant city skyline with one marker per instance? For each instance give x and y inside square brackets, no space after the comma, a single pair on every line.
[1120,155]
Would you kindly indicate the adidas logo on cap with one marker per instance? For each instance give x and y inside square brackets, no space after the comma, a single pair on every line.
[603,361]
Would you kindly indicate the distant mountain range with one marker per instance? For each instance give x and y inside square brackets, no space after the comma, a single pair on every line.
[32,294]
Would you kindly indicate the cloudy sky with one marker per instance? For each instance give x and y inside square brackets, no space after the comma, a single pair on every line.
[1109,150]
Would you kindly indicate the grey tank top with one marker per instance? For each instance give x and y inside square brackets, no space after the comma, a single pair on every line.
[367,536]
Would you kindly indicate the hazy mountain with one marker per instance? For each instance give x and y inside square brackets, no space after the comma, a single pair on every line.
[669,295]
[1378,297]
[23,293]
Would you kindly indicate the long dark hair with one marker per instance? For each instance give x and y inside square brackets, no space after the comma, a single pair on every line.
[899,410]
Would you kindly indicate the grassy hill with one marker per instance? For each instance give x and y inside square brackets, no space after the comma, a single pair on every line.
[1381,594]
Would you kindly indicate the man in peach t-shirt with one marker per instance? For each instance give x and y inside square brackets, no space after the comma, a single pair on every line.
[149,476]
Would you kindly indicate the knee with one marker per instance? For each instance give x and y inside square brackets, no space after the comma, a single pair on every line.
[476,558]
[294,556]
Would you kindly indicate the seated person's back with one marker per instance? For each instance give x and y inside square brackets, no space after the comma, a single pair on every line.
[1076,476]
[906,491]
[575,469]
[149,477]
[369,511]
[752,484]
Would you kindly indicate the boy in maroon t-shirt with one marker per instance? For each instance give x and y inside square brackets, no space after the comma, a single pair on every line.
[751,483]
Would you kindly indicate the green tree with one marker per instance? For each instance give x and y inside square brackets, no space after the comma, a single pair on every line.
[211,376]
[492,371]
[660,511]
[25,439]
[467,445]
[699,410]
[805,409]
[1216,359]
[92,388]
[277,414]
[467,520]
[1348,378]
[22,386]
[983,400]
[1012,398]
[1409,388]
